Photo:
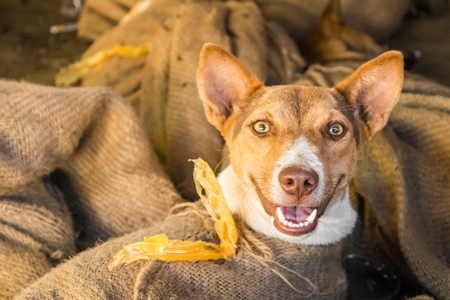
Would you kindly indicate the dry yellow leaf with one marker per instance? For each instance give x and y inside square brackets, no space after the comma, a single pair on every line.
[74,72]
[160,247]
[216,205]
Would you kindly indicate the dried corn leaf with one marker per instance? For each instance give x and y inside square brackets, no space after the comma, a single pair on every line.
[160,247]
[75,72]
[215,203]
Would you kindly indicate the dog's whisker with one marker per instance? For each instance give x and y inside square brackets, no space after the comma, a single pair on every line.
[219,164]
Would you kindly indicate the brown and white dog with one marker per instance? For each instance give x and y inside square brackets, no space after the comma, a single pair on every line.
[293,149]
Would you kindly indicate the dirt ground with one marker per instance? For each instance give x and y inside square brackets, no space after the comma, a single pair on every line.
[28,51]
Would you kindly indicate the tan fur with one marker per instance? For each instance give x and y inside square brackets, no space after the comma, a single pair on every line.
[298,120]
[387,72]
[240,91]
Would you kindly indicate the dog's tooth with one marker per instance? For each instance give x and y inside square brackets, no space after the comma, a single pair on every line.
[312,216]
[283,220]
[280,215]
[290,224]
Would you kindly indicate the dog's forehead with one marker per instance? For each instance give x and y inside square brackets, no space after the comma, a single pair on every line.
[296,110]
[298,102]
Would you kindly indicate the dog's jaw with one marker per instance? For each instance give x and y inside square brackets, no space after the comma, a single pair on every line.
[336,222]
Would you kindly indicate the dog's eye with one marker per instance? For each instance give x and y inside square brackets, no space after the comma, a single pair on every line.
[336,129]
[261,127]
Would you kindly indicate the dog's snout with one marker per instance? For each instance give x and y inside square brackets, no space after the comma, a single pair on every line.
[298,182]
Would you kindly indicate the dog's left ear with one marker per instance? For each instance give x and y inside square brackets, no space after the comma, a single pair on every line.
[374,89]
[224,84]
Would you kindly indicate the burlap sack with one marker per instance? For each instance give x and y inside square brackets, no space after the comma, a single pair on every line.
[101,178]
[403,179]
[36,232]
[293,272]
[100,15]
[162,85]
[377,18]
[404,175]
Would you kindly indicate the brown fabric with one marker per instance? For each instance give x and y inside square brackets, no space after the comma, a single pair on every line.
[243,277]
[36,231]
[403,175]
[409,193]
[97,16]
[379,18]
[162,86]
[76,168]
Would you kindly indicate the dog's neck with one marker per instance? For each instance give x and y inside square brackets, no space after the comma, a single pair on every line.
[337,221]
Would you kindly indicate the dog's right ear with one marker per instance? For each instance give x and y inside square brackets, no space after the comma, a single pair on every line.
[224,84]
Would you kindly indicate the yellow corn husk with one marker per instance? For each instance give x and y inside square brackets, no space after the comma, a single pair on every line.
[75,72]
[216,205]
[160,247]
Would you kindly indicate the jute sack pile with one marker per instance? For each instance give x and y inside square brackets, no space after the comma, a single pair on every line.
[403,184]
[36,232]
[162,85]
[292,272]
[76,168]
[379,18]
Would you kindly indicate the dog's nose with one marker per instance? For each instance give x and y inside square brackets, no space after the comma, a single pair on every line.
[298,182]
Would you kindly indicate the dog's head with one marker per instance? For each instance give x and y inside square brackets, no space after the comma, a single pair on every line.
[293,149]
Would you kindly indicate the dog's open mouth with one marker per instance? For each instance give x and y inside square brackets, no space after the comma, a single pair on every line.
[293,220]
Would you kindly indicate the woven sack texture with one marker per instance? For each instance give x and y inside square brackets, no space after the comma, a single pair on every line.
[36,232]
[76,168]
[293,272]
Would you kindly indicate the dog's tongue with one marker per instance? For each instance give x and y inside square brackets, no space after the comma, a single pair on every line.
[296,214]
